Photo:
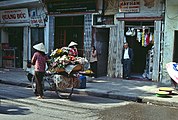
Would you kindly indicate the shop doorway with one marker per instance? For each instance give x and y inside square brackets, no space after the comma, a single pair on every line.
[101,38]
[175,55]
[15,35]
[141,41]
[67,29]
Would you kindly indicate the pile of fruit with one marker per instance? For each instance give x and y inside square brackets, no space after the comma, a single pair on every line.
[60,58]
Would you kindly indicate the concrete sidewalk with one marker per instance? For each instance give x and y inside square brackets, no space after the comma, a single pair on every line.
[131,90]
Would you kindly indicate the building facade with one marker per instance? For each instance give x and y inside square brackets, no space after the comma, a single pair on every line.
[149,26]
[22,24]
[141,24]
[170,37]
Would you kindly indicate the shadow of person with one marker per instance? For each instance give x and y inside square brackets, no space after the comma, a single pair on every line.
[14,110]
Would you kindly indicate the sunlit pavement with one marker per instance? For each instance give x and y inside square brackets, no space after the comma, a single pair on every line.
[132,90]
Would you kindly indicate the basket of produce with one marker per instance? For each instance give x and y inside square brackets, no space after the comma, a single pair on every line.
[61,61]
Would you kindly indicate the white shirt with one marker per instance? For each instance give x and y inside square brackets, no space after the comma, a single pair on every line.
[93,56]
[126,53]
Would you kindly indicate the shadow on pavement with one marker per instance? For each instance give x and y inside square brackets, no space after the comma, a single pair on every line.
[14,110]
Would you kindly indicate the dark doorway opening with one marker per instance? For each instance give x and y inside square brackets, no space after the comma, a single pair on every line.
[140,44]
[16,42]
[140,54]
[175,55]
[102,46]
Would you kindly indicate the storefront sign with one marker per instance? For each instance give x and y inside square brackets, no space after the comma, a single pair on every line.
[129,6]
[37,21]
[14,16]
[70,6]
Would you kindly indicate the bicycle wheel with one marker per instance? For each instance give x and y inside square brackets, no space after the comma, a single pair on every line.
[67,93]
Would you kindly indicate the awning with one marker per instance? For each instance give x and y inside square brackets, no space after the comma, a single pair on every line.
[8,4]
[70,6]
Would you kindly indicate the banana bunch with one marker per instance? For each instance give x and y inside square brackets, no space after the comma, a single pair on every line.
[88,71]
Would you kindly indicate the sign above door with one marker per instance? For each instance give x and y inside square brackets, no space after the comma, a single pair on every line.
[70,6]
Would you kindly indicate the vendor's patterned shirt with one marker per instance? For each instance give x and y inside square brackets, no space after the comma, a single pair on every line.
[39,61]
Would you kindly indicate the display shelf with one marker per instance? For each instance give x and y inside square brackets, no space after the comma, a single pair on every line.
[8,58]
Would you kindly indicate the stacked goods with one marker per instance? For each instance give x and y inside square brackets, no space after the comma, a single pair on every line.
[62,62]
[60,59]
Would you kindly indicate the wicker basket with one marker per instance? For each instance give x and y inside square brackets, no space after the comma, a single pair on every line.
[59,70]
[78,67]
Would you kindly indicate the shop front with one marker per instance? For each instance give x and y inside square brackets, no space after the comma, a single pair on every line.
[144,36]
[141,25]
[13,25]
[21,28]
[72,21]
[143,28]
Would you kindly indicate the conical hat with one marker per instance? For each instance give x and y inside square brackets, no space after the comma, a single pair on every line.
[40,47]
[72,44]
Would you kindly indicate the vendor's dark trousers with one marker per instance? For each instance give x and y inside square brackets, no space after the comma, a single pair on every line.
[126,68]
[93,67]
[39,80]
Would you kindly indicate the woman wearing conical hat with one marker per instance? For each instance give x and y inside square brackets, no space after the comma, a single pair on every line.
[39,61]
[73,51]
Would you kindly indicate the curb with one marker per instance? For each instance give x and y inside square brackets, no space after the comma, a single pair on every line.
[161,103]
[127,98]
[107,95]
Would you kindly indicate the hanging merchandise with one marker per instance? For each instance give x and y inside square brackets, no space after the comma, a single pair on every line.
[125,39]
[151,38]
[149,64]
[133,32]
[129,32]
[143,37]
[147,39]
[139,35]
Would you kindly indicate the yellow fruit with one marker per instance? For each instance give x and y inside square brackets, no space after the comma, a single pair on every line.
[59,51]
[88,71]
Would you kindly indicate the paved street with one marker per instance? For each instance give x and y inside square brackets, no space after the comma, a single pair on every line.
[115,88]
[137,111]
[19,103]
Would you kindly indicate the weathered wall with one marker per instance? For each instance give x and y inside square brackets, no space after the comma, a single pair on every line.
[148,8]
[171,24]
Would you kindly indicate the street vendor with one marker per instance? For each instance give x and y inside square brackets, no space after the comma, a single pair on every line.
[73,49]
[39,61]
